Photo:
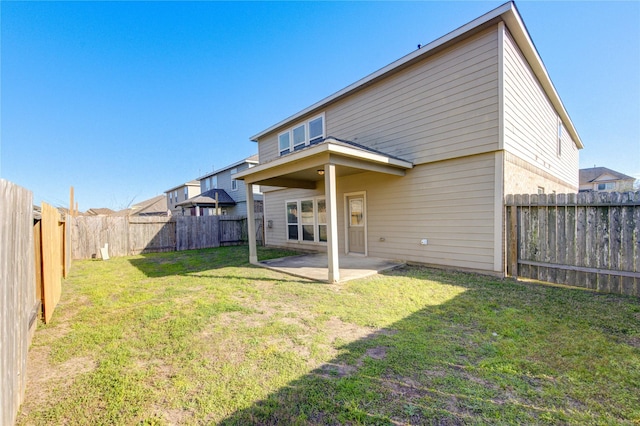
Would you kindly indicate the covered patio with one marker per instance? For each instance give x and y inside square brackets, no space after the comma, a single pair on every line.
[327,161]
[315,266]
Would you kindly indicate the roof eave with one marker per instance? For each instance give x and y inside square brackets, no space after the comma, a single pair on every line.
[230,166]
[393,67]
[506,12]
[519,31]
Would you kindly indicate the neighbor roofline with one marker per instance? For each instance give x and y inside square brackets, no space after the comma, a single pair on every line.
[190,183]
[230,166]
[507,13]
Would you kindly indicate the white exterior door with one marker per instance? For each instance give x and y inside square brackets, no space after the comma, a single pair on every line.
[356,222]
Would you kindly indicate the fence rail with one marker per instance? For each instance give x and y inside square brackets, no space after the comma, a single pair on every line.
[588,239]
[134,235]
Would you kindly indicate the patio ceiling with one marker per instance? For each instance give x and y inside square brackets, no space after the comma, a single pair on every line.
[300,169]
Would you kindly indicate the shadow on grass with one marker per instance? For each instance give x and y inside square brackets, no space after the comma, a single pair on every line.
[494,352]
[155,265]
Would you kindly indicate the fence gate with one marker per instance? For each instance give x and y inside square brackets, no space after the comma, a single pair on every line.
[589,240]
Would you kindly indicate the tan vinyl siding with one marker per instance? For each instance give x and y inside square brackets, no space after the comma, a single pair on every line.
[451,203]
[442,107]
[531,122]
[268,148]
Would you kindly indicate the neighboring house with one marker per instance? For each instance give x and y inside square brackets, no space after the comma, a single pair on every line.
[603,179]
[156,206]
[181,193]
[413,161]
[231,193]
[99,212]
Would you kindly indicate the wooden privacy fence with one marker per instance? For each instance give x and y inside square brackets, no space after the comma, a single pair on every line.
[18,303]
[134,235]
[589,239]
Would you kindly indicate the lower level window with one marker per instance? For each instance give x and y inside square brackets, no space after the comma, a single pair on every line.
[307,220]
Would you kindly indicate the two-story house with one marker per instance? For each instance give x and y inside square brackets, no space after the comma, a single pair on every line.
[602,179]
[413,161]
[181,193]
[222,194]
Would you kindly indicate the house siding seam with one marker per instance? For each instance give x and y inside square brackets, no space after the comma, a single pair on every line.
[531,122]
[451,203]
[443,107]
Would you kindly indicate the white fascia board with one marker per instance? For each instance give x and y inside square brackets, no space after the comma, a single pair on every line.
[369,156]
[230,166]
[424,50]
[327,147]
[190,183]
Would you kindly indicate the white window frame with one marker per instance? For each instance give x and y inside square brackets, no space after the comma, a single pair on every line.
[214,182]
[186,192]
[316,224]
[234,182]
[207,184]
[307,138]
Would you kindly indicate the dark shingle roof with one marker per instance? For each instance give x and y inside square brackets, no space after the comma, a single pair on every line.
[209,198]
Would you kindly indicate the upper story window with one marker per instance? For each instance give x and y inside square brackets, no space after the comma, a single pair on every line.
[214,182]
[186,192]
[234,182]
[207,184]
[301,135]
[170,197]
[175,195]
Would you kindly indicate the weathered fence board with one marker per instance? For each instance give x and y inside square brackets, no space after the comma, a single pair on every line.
[196,232]
[52,259]
[586,240]
[134,235]
[18,303]
[151,234]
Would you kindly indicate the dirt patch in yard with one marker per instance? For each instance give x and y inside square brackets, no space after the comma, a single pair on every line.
[42,377]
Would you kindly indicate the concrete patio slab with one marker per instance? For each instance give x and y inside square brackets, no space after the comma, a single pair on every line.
[315,266]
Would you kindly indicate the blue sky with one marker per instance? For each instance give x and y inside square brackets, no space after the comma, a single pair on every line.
[124,100]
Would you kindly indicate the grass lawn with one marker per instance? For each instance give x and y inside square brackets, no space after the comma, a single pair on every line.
[202,337]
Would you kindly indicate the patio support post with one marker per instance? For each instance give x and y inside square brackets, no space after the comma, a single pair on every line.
[251,225]
[332,222]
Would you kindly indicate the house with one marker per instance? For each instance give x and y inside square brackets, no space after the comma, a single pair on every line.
[413,161]
[604,179]
[156,206]
[102,211]
[181,193]
[220,189]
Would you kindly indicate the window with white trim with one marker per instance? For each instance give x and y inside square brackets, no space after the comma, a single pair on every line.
[207,184]
[307,220]
[234,182]
[186,193]
[301,135]
[214,182]
[175,195]
[170,197]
